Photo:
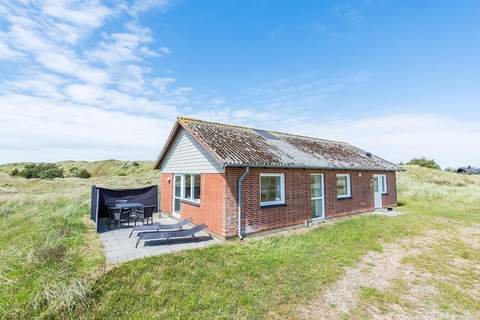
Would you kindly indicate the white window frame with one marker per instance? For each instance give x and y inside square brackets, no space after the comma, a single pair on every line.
[322,197]
[384,183]
[349,186]
[183,196]
[282,189]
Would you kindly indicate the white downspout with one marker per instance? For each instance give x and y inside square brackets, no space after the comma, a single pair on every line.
[239,202]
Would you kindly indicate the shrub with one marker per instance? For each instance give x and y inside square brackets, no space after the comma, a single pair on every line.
[423,162]
[14,172]
[41,170]
[84,174]
[79,173]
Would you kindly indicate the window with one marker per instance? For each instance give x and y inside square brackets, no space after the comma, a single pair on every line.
[196,187]
[316,194]
[188,187]
[191,187]
[272,189]
[384,183]
[343,186]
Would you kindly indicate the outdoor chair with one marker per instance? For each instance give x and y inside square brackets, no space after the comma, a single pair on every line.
[148,213]
[167,235]
[157,226]
[145,212]
[127,214]
[112,214]
[118,216]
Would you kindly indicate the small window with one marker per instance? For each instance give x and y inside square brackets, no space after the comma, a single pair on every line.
[188,186]
[191,187]
[343,186]
[272,189]
[384,184]
[196,187]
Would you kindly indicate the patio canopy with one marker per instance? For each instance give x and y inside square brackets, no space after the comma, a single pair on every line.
[103,197]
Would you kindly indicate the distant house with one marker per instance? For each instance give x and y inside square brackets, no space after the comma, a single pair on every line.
[240,180]
[469,170]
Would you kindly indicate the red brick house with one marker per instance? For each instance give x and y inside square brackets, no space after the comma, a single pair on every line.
[281,179]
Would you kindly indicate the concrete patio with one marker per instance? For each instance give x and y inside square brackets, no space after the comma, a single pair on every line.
[119,247]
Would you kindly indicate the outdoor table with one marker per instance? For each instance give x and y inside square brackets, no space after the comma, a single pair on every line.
[127,205]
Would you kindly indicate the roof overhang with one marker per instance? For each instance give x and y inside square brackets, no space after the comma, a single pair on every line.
[254,165]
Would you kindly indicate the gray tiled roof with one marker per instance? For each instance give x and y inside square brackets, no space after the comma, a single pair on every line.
[469,169]
[235,146]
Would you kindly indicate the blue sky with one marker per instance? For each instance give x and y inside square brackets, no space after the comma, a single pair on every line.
[91,79]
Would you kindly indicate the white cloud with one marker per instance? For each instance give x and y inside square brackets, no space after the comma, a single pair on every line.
[6,52]
[304,91]
[38,84]
[140,6]
[399,137]
[124,46]
[48,130]
[66,63]
[163,83]
[87,14]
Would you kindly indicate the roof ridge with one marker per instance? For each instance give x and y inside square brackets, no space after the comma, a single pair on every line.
[252,128]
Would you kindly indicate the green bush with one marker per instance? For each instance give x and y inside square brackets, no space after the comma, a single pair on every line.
[84,174]
[41,170]
[79,173]
[423,162]
[14,172]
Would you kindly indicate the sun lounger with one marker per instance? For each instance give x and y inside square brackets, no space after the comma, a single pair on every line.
[159,235]
[157,226]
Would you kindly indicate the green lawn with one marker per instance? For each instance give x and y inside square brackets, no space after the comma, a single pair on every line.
[51,266]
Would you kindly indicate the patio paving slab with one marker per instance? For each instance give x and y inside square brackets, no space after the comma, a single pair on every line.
[119,247]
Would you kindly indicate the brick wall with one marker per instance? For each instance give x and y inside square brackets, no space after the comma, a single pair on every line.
[297,198]
[211,210]
[166,189]
[361,200]
[218,203]
[390,199]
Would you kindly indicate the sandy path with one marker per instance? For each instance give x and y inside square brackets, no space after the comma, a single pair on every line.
[378,270]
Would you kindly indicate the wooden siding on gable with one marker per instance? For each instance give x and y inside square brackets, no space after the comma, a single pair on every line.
[186,155]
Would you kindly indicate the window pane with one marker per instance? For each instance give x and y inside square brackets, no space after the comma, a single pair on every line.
[316,186]
[375,184]
[384,184]
[317,208]
[196,186]
[270,189]
[178,186]
[177,205]
[188,186]
[342,186]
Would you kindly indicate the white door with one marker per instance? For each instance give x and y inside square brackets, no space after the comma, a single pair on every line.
[377,191]
[317,196]
[177,194]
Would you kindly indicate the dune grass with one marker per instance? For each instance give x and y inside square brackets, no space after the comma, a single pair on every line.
[101,168]
[51,264]
[49,252]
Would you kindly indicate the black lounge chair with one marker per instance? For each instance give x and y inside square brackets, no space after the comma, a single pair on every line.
[158,227]
[159,235]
